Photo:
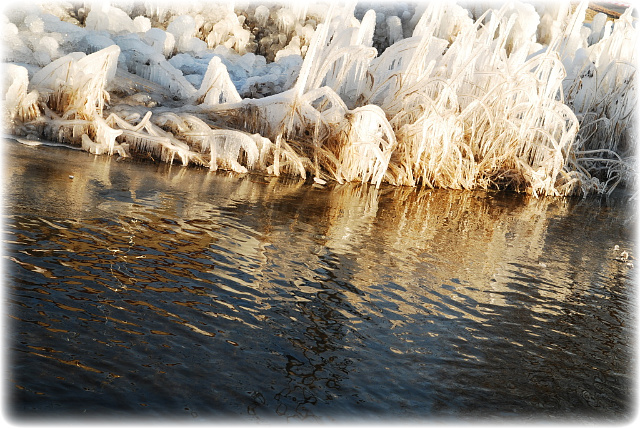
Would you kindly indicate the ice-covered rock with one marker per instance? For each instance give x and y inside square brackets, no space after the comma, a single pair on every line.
[102,16]
[94,41]
[34,23]
[17,50]
[162,41]
[184,29]
[146,61]
[230,33]
[141,24]
[46,50]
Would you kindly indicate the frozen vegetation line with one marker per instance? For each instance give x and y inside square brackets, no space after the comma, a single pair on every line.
[525,97]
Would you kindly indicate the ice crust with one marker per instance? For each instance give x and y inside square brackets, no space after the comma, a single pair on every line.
[517,96]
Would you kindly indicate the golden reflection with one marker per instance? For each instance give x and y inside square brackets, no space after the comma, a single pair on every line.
[75,363]
[439,238]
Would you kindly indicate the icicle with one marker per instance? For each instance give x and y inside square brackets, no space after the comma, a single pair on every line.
[105,135]
[261,15]
[394,26]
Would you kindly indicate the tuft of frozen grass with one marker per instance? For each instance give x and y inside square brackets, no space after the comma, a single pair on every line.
[19,104]
[601,90]
[216,86]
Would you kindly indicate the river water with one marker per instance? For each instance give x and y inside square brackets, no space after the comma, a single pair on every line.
[142,290]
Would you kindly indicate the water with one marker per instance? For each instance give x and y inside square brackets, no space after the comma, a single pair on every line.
[143,290]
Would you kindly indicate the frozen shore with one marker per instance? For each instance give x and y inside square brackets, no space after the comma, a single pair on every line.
[524,96]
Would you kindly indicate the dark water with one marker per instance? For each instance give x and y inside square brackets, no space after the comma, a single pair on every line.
[142,290]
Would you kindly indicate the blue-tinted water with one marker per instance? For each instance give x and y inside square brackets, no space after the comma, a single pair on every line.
[142,290]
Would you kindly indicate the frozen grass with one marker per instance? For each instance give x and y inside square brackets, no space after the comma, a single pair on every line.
[518,97]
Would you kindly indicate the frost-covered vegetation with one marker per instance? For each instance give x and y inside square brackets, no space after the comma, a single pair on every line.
[521,96]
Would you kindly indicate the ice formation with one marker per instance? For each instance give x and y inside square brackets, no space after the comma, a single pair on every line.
[216,86]
[521,96]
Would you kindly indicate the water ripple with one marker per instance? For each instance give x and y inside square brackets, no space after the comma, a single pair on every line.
[196,293]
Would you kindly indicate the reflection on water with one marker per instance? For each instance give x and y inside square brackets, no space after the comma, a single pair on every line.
[139,289]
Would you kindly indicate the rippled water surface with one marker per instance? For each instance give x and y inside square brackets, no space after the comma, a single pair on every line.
[134,289]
